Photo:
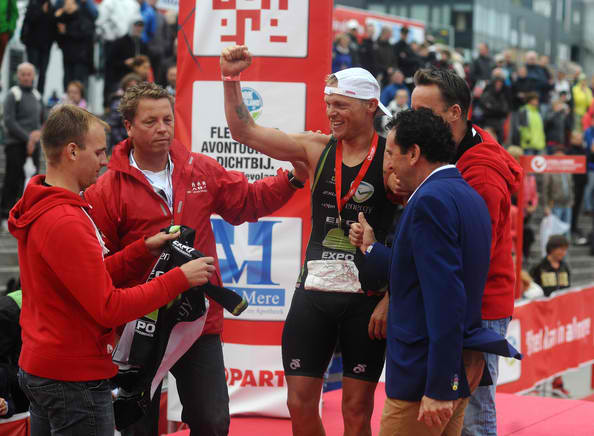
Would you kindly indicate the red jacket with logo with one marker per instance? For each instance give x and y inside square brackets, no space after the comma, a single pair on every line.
[70,303]
[495,175]
[125,206]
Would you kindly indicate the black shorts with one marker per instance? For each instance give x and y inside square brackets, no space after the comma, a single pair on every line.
[317,321]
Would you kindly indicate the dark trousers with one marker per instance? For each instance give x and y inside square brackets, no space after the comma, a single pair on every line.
[4,38]
[76,71]
[202,388]
[40,58]
[61,408]
[14,177]
[579,184]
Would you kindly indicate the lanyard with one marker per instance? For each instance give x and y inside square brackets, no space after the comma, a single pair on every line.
[341,201]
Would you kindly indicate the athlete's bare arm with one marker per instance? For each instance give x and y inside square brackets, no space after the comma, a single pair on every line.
[306,147]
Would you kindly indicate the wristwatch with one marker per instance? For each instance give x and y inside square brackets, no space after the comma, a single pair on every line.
[294,181]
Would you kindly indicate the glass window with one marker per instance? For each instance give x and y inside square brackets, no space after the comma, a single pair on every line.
[377,7]
[542,7]
[420,12]
[436,15]
[446,15]
[576,17]
[460,21]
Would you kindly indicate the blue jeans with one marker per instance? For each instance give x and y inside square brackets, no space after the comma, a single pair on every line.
[60,408]
[564,214]
[588,192]
[480,417]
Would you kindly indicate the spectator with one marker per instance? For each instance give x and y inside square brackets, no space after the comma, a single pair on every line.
[582,99]
[396,84]
[39,20]
[576,147]
[118,131]
[9,14]
[494,106]
[530,202]
[558,194]
[124,50]
[400,102]
[75,38]
[160,45]
[530,126]
[89,8]
[553,274]
[166,64]
[341,53]
[352,33]
[406,58]
[114,22]
[538,77]
[141,65]
[149,16]
[480,70]
[74,94]
[589,190]
[367,51]
[521,86]
[171,80]
[23,115]
[556,124]
[508,64]
[10,348]
[384,55]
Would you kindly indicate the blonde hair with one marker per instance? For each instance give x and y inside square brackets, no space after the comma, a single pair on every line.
[66,123]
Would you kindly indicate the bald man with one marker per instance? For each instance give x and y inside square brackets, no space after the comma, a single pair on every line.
[23,116]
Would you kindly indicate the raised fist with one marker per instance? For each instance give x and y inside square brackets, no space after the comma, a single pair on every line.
[235,59]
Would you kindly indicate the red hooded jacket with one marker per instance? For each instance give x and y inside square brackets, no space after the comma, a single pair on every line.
[126,207]
[70,304]
[495,175]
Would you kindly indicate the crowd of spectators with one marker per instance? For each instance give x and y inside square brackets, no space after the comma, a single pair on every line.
[520,98]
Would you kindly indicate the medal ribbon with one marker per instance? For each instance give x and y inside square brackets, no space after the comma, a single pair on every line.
[341,201]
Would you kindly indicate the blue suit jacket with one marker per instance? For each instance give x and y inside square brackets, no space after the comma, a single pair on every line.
[437,271]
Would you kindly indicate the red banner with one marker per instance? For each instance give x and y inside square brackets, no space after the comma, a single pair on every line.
[554,164]
[18,425]
[553,334]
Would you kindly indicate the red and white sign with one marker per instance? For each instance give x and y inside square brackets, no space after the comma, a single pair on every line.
[290,41]
[343,16]
[16,425]
[554,164]
[553,334]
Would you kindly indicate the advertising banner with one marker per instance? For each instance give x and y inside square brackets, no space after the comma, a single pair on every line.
[553,335]
[554,164]
[16,425]
[290,42]
[345,16]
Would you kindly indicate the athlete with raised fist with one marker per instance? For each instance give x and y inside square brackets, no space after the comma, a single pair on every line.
[333,303]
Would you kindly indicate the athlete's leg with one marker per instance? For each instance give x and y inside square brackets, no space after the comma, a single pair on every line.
[304,405]
[363,361]
[309,338]
[357,406]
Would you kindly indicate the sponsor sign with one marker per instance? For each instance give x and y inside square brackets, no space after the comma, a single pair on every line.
[554,164]
[260,261]
[284,87]
[211,136]
[553,334]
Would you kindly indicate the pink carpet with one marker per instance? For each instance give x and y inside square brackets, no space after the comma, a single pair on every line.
[516,415]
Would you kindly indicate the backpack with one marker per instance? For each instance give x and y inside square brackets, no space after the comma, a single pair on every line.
[17,93]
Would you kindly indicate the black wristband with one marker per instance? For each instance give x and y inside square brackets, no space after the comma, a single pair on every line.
[294,181]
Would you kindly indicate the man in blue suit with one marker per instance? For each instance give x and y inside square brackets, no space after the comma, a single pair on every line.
[437,270]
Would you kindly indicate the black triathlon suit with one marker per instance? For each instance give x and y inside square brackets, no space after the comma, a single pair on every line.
[318,319]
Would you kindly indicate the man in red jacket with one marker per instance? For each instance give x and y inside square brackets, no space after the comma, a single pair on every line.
[70,304]
[154,181]
[494,174]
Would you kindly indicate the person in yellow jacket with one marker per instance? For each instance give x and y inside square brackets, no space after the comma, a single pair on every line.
[582,99]
[532,135]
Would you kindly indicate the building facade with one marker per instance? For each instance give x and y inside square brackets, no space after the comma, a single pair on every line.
[551,27]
